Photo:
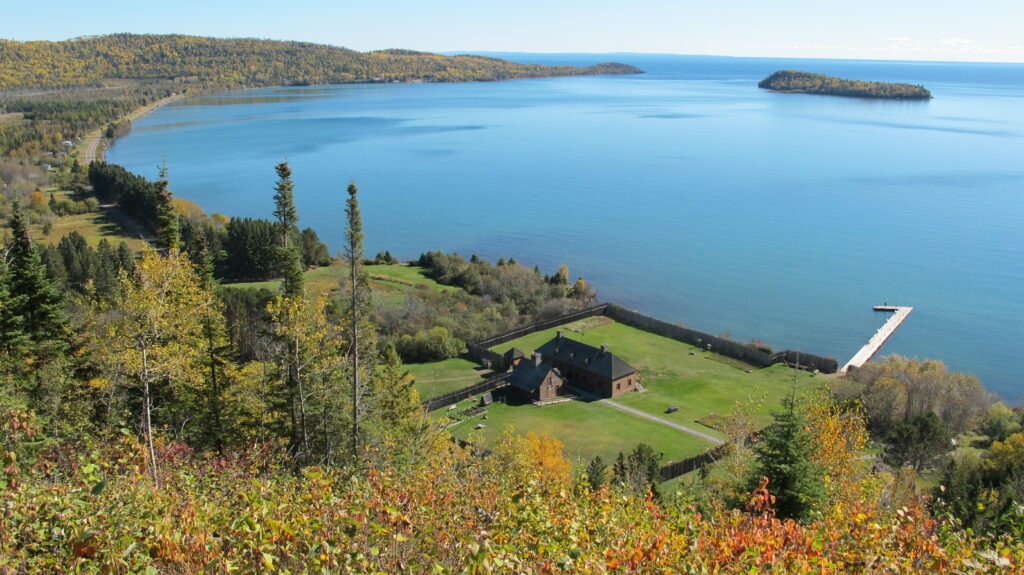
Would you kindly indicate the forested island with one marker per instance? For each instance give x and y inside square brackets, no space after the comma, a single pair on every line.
[807,83]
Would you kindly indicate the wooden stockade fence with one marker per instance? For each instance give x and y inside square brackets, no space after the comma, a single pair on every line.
[453,397]
[480,351]
[807,361]
[677,468]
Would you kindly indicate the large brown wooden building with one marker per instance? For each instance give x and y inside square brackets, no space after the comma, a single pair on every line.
[594,370]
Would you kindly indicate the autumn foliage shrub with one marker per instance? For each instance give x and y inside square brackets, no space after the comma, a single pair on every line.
[516,511]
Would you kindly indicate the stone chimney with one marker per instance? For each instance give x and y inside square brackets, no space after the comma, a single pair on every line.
[561,333]
[536,359]
[604,348]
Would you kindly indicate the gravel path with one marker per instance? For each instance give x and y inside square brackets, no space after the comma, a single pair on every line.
[648,416]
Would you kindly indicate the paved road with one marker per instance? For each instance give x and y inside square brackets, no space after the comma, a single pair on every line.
[648,416]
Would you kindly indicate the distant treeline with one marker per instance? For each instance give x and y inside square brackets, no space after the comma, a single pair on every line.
[243,249]
[808,83]
[236,62]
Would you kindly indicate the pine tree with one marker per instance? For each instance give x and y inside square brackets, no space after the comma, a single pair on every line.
[168,236]
[784,456]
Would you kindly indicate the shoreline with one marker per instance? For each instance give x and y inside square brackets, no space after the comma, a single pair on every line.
[93,147]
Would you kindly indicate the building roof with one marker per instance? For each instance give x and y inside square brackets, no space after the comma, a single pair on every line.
[528,376]
[586,358]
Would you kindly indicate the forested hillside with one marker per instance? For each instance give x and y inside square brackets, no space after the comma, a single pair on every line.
[245,62]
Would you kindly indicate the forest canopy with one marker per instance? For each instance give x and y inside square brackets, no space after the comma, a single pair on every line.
[808,83]
[236,62]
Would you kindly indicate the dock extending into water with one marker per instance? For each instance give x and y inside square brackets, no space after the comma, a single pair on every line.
[881,336]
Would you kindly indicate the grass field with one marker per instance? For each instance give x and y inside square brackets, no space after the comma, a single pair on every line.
[92,226]
[586,428]
[440,377]
[699,385]
[389,283]
[404,275]
[316,280]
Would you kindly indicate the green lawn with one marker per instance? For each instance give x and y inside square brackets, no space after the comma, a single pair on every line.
[440,377]
[401,275]
[700,385]
[586,429]
[389,283]
[316,280]
[93,226]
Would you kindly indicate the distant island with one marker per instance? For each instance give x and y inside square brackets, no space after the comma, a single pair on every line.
[225,63]
[807,83]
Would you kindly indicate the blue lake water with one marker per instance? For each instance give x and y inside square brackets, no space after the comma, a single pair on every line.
[686,192]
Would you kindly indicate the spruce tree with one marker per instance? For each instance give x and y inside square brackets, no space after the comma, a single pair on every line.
[168,236]
[289,257]
[597,473]
[359,311]
[397,406]
[784,456]
[11,335]
[32,296]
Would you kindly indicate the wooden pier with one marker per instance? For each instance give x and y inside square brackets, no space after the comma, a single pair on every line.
[881,336]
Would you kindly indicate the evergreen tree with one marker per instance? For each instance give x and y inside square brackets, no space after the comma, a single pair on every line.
[397,408]
[289,256]
[784,456]
[638,472]
[284,204]
[216,349]
[11,335]
[32,295]
[105,279]
[359,315]
[168,236]
[597,473]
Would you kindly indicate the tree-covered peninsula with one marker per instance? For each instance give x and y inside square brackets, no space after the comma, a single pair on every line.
[237,62]
[808,83]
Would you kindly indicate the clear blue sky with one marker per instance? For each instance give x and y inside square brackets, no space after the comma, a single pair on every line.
[979,30]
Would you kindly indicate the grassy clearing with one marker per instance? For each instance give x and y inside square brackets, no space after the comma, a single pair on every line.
[389,284]
[405,276]
[440,377]
[586,429]
[93,227]
[11,118]
[317,280]
[697,384]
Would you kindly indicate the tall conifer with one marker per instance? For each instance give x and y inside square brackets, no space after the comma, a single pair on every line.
[168,235]
[358,313]
[32,297]
[289,257]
